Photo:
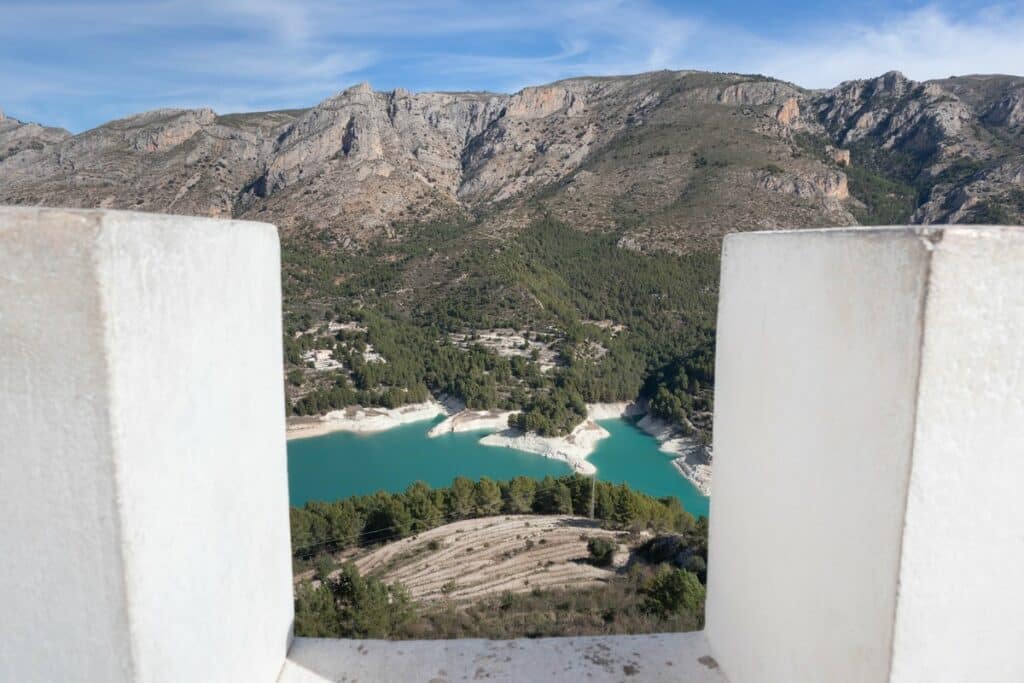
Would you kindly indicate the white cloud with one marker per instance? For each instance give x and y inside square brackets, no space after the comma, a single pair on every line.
[108,57]
[923,44]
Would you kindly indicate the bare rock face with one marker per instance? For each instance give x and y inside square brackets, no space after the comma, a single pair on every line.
[840,156]
[666,160]
[748,92]
[829,185]
[959,137]
[1008,111]
[897,111]
[982,198]
[788,112]
[537,103]
[163,129]
[16,137]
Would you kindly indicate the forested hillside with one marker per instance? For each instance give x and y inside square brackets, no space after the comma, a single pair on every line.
[638,566]
[542,249]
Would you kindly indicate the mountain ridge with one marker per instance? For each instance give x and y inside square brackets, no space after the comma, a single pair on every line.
[580,218]
[403,157]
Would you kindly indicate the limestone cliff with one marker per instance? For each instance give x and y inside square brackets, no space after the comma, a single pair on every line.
[671,160]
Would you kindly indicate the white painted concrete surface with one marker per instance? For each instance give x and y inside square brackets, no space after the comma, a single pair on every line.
[961,599]
[668,658]
[854,366]
[143,481]
[869,453]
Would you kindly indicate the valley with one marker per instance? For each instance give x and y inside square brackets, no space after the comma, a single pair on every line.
[531,253]
[516,558]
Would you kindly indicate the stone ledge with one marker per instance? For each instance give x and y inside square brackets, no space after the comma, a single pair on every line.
[676,657]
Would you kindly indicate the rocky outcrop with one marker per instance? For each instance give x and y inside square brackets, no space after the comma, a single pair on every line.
[749,92]
[1008,110]
[162,129]
[537,103]
[991,195]
[788,112]
[830,185]
[954,137]
[840,156]
[16,137]
[896,111]
[669,160]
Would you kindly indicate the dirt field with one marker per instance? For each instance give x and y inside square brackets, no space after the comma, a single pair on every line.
[478,557]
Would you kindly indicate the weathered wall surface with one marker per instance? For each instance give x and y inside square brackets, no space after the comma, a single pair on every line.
[62,590]
[961,604]
[143,481]
[818,338]
[869,430]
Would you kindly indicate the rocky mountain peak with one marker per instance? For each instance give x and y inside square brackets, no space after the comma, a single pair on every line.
[892,82]
[363,88]
[165,128]
[656,155]
[1008,110]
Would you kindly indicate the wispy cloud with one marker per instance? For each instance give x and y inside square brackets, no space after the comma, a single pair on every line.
[923,44]
[79,63]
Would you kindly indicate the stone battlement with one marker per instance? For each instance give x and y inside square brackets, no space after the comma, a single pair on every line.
[865,525]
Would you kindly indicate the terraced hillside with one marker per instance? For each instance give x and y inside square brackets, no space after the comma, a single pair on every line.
[476,558]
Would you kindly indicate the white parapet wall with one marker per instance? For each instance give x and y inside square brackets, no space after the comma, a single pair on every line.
[867,522]
[869,454]
[143,481]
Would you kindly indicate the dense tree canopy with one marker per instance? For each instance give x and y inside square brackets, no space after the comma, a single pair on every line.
[622,325]
[664,591]
[366,520]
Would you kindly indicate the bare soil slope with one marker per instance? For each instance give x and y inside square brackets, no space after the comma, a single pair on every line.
[475,558]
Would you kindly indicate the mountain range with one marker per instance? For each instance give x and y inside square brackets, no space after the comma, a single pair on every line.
[671,160]
[429,238]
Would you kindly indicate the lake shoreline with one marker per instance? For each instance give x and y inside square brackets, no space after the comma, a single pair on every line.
[360,420]
[691,461]
[571,449]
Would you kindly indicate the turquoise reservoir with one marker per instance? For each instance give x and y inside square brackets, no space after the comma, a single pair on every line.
[341,464]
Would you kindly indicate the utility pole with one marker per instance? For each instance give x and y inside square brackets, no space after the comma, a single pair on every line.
[593,490]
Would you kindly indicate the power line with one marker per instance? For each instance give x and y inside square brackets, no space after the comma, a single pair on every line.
[593,492]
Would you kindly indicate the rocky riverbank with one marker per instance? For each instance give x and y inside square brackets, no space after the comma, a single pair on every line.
[472,421]
[572,449]
[694,458]
[363,420]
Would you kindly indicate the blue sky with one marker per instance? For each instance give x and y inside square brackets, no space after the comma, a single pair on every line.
[79,63]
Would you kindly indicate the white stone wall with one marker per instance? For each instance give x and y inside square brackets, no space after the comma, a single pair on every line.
[143,478]
[961,597]
[657,658]
[853,367]
[869,452]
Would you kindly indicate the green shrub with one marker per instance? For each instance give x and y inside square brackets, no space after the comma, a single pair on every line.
[673,591]
[601,551]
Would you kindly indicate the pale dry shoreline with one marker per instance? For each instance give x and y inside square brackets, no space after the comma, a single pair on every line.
[572,449]
[691,459]
[361,420]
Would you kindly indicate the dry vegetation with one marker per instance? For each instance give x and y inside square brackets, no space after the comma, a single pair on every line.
[476,558]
